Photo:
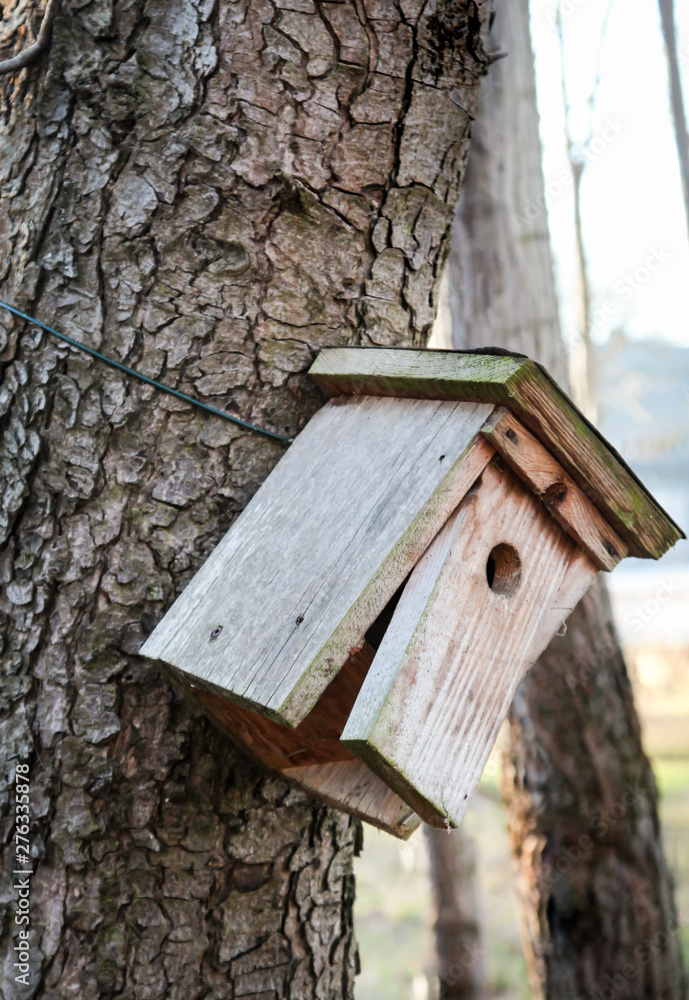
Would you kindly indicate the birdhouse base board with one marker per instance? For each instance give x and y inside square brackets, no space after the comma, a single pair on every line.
[316,740]
[355,789]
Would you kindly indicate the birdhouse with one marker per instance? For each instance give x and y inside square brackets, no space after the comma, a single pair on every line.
[364,624]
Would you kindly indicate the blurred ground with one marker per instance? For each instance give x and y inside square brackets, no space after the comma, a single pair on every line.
[393,909]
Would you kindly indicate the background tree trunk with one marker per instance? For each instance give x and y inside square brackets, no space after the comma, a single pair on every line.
[458,943]
[596,894]
[210,192]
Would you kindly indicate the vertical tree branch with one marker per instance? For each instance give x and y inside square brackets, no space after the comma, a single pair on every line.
[584,386]
[667,18]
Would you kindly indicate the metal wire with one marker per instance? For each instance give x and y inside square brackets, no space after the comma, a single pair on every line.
[144,378]
[28,56]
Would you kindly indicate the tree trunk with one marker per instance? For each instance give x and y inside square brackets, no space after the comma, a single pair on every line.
[458,945]
[208,192]
[597,898]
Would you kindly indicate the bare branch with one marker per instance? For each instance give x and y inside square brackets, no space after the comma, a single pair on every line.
[667,17]
[494,56]
[35,51]
[585,392]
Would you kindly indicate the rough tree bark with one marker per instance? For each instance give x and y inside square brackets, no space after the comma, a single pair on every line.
[596,895]
[210,192]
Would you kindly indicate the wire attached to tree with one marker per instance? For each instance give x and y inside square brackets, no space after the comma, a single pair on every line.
[29,55]
[144,378]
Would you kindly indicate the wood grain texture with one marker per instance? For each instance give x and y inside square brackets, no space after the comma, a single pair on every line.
[316,740]
[580,573]
[536,467]
[321,548]
[443,678]
[540,404]
[352,787]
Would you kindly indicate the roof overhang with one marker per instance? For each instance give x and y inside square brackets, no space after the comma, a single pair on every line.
[525,388]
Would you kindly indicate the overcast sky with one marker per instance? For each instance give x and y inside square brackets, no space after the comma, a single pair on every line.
[634,224]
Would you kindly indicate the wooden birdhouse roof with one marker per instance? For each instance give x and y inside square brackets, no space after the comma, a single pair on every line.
[525,388]
[311,562]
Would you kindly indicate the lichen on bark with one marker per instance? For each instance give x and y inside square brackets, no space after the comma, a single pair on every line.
[209,192]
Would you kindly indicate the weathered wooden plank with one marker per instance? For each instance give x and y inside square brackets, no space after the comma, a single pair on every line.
[443,678]
[540,404]
[352,787]
[580,574]
[314,558]
[538,469]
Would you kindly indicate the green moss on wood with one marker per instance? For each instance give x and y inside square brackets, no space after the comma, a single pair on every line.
[526,389]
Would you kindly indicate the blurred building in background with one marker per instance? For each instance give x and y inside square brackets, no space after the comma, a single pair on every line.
[643,410]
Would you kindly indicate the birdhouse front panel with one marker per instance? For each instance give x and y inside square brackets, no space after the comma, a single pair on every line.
[465,630]
[363,626]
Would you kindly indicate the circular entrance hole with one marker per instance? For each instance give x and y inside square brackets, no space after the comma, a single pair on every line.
[504,570]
